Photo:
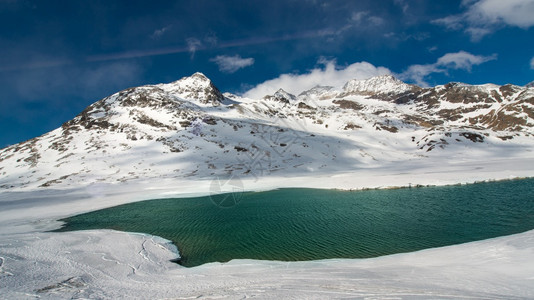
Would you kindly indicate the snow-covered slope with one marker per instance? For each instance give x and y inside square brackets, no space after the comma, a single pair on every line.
[117,265]
[180,138]
[189,129]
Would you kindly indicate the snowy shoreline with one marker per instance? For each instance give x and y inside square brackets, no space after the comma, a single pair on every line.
[48,205]
[111,264]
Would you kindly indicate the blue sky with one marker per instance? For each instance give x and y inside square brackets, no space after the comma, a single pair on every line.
[57,57]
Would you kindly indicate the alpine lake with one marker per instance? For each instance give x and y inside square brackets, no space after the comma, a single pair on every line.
[297,224]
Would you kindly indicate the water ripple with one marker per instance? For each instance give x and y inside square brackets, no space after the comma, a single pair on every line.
[308,224]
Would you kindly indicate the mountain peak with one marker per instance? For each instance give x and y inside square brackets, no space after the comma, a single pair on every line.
[281,96]
[318,89]
[385,77]
[196,87]
[530,84]
[282,93]
[319,92]
[382,84]
[199,76]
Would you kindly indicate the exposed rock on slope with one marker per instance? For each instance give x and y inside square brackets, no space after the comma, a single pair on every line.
[281,96]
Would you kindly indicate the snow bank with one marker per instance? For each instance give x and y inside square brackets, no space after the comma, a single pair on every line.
[110,264]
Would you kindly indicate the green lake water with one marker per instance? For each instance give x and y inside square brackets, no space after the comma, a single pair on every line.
[310,224]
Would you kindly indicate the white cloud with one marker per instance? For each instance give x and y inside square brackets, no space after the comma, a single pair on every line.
[511,12]
[532,63]
[451,61]
[159,32]
[330,75]
[193,44]
[230,64]
[483,17]
[211,39]
[402,4]
[463,60]
[357,22]
[363,18]
[451,22]
[477,33]
[418,36]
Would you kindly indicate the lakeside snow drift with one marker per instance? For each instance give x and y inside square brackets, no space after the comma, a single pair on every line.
[114,265]
[177,139]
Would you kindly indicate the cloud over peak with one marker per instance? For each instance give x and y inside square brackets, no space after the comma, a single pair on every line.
[333,75]
[451,61]
[330,75]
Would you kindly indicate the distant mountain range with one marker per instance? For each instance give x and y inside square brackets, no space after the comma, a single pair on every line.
[189,129]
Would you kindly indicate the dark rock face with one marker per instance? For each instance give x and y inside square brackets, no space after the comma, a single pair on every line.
[347,104]
[453,101]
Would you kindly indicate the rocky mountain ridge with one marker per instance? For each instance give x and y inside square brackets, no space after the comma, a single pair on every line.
[189,129]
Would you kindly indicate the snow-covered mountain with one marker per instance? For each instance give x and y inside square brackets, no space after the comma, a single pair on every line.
[189,129]
[384,84]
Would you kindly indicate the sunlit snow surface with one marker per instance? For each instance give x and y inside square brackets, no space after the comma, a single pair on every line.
[110,264]
[67,172]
